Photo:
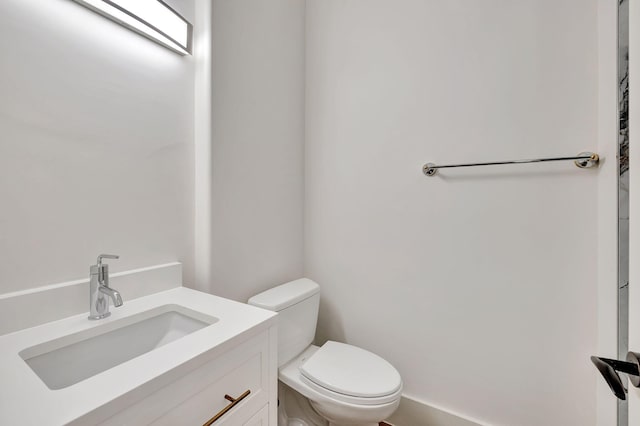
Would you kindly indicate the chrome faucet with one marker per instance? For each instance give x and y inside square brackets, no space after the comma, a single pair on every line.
[99,288]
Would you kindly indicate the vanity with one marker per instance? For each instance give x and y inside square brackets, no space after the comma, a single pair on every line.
[172,357]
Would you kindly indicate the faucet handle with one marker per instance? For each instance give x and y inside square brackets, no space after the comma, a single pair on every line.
[103,270]
[106,256]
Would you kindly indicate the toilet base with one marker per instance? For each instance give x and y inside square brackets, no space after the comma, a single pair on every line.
[295,410]
[338,416]
[351,424]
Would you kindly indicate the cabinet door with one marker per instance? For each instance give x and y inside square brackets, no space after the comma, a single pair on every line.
[243,384]
[260,419]
[200,394]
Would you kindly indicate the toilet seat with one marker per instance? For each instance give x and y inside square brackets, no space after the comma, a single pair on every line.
[351,374]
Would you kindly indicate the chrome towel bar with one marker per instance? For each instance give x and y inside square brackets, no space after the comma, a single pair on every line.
[584,160]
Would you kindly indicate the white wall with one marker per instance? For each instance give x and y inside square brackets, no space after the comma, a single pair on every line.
[607,295]
[479,285]
[254,233]
[96,145]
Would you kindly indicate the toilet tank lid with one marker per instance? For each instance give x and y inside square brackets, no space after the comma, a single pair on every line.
[285,295]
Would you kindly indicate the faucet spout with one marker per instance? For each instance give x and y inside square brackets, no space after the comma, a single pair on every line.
[113,294]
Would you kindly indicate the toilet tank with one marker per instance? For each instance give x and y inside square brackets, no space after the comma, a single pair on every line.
[296,303]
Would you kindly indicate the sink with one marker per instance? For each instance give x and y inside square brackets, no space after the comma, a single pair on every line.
[73,371]
[68,360]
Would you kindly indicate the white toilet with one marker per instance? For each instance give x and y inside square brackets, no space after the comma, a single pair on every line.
[345,384]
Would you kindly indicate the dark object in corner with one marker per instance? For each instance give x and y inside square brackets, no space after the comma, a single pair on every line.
[609,368]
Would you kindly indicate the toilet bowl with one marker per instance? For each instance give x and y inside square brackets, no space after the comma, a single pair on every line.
[346,385]
[340,408]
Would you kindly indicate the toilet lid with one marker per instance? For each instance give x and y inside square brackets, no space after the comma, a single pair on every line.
[352,371]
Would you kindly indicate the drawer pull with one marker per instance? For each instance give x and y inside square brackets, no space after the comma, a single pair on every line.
[224,411]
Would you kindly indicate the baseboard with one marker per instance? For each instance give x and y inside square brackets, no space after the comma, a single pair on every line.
[415,413]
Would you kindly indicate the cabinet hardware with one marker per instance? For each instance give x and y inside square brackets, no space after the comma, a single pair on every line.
[234,402]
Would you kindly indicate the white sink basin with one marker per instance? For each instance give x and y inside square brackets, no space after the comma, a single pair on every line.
[70,359]
[79,382]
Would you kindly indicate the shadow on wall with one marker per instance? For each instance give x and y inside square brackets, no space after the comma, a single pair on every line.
[329,324]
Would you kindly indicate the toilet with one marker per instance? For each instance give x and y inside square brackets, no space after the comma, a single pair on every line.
[346,385]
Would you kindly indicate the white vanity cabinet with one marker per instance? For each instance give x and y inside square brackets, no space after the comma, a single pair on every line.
[177,357]
[260,419]
[234,388]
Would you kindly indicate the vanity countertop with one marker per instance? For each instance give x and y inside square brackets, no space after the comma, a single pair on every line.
[26,400]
